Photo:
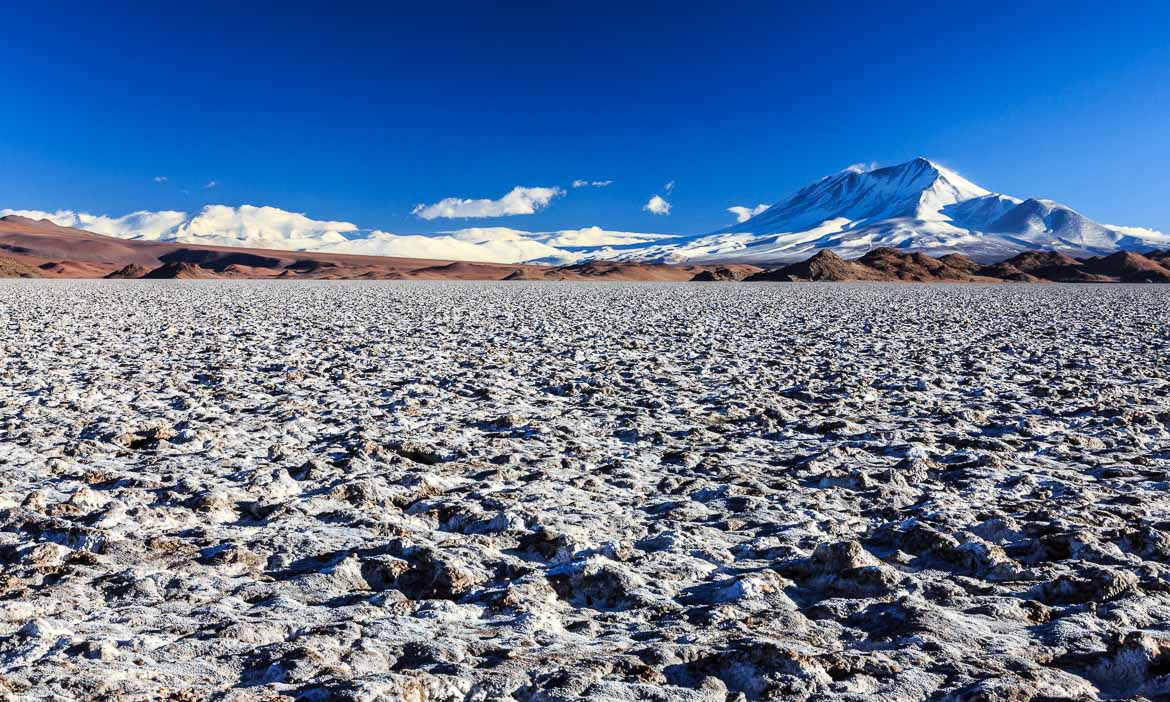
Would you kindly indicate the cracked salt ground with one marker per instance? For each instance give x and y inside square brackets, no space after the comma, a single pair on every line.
[443,491]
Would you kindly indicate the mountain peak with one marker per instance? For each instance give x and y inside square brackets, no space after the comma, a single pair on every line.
[917,205]
[923,163]
[922,167]
[920,163]
[918,189]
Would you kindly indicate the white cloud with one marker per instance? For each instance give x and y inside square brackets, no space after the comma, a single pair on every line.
[160,179]
[657,205]
[211,184]
[595,183]
[519,201]
[743,214]
[669,187]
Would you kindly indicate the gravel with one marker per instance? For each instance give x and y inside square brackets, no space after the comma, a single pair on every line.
[509,491]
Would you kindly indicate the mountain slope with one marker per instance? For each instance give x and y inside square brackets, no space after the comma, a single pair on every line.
[918,189]
[917,206]
[40,248]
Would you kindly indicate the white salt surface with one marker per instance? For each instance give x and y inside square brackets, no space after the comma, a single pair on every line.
[485,491]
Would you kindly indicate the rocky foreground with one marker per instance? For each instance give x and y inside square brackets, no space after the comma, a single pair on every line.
[474,491]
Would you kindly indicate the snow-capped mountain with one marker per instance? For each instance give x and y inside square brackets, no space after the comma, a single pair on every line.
[918,190]
[498,244]
[914,206]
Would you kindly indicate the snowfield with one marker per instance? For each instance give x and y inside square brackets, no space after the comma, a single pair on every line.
[506,491]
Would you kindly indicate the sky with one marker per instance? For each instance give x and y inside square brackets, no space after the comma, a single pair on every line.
[362,114]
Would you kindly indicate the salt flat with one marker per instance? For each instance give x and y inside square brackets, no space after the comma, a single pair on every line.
[484,491]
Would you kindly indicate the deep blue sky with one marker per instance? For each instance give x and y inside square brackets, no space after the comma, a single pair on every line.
[358,113]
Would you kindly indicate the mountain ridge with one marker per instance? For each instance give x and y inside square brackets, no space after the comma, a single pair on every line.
[916,206]
[40,249]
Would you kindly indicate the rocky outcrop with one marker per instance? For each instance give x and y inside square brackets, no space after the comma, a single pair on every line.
[180,271]
[132,270]
[822,266]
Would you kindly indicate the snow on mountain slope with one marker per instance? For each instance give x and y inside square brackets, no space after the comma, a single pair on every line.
[918,189]
[596,236]
[979,212]
[1048,224]
[484,245]
[915,206]
[1137,236]
[498,244]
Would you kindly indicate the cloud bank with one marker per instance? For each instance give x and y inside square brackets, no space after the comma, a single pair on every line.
[221,225]
[274,228]
[520,201]
[496,244]
[136,225]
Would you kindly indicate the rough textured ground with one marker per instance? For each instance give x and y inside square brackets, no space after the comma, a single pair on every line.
[478,491]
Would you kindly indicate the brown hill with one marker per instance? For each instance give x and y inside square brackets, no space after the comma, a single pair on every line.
[464,270]
[615,271]
[882,264]
[1006,271]
[893,264]
[822,266]
[1039,263]
[959,262]
[130,270]
[608,270]
[72,269]
[35,242]
[1127,267]
[890,265]
[1054,266]
[180,271]
[728,273]
[84,254]
[15,268]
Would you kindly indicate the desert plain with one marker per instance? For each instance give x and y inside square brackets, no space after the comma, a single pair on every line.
[313,490]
